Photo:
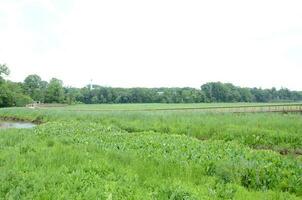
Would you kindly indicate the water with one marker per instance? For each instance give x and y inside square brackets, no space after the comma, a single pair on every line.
[15,124]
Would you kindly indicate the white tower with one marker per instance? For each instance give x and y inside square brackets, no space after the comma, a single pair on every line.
[90,84]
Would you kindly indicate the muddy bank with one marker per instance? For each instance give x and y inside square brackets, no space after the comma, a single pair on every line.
[16,119]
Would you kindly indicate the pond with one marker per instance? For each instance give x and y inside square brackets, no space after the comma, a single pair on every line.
[15,124]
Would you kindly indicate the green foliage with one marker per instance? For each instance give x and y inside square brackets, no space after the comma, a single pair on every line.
[149,155]
[3,71]
[22,100]
[226,92]
[11,95]
[55,91]
[35,87]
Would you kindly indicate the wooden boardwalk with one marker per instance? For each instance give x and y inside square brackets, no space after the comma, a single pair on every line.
[260,109]
[286,108]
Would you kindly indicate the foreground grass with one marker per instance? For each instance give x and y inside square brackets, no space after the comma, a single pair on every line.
[79,155]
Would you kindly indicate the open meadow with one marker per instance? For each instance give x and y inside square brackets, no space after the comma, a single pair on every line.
[150,100]
[151,151]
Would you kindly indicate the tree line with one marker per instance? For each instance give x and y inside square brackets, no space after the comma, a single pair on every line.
[33,88]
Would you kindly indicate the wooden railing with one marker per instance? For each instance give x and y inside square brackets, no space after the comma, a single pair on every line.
[45,105]
[255,109]
[286,108]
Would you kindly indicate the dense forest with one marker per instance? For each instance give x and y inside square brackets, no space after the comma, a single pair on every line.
[33,88]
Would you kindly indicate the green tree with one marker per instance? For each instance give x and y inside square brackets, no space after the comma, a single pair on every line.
[216,92]
[4,71]
[34,87]
[72,95]
[11,94]
[245,95]
[55,91]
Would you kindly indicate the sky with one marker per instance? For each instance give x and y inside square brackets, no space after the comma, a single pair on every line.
[139,43]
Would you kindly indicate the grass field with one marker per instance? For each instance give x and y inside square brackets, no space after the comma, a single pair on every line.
[78,154]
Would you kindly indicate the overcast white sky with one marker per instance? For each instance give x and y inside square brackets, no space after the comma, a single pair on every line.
[154,43]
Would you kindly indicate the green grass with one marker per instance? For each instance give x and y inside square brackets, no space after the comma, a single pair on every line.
[150,155]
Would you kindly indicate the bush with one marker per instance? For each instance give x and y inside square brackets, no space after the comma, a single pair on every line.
[22,100]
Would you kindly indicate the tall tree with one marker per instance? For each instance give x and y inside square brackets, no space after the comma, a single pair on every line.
[11,93]
[4,71]
[55,91]
[34,87]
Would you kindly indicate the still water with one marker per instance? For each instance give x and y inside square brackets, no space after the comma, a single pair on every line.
[15,124]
